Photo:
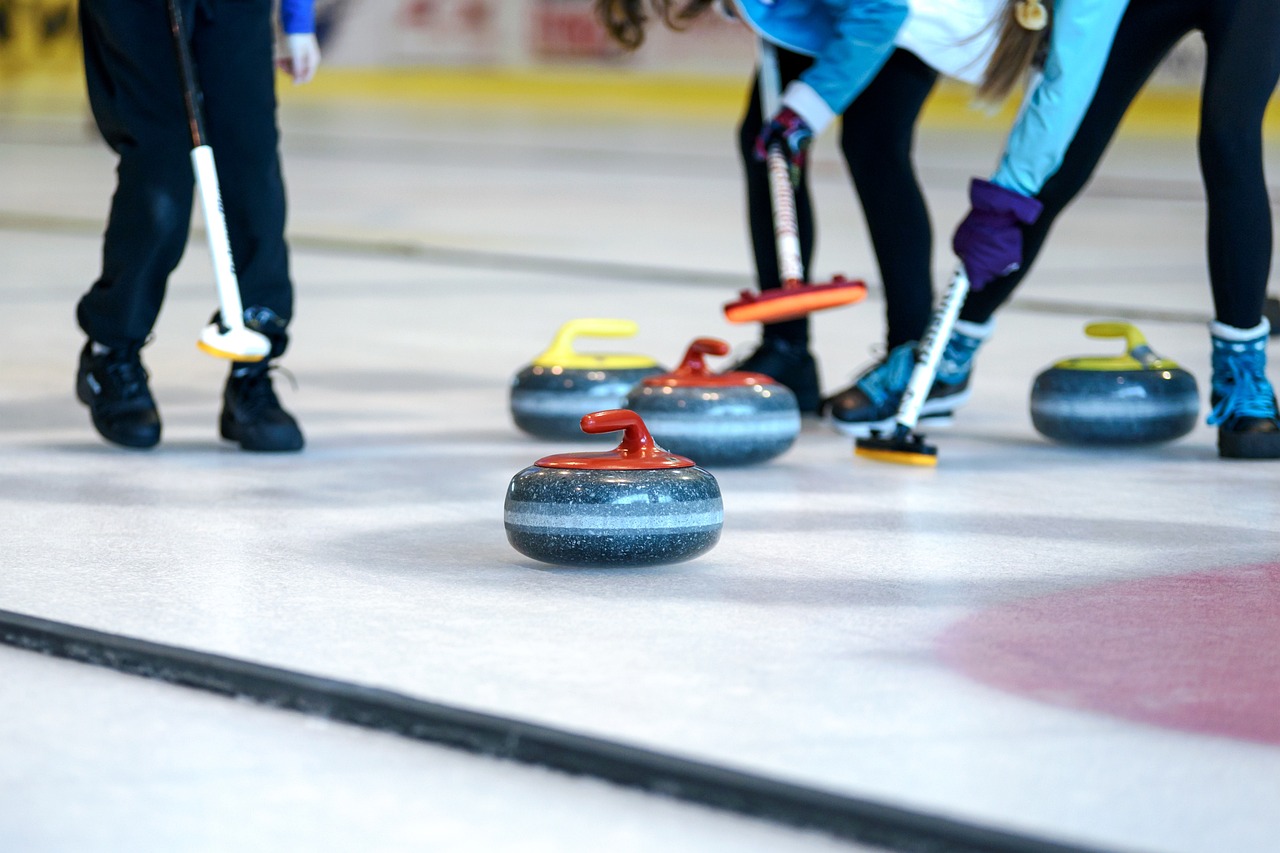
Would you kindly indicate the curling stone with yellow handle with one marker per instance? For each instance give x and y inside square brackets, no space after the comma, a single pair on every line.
[550,396]
[1134,398]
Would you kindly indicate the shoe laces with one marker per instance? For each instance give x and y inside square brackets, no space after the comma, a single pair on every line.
[957,357]
[1240,383]
[124,370]
[255,392]
[889,378]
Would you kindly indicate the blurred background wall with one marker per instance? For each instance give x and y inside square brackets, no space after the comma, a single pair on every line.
[393,46]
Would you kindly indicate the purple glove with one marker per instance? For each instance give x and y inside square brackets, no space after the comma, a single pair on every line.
[989,240]
[793,134]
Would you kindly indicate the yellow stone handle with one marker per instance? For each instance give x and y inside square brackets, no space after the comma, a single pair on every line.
[561,353]
[1117,329]
[1138,353]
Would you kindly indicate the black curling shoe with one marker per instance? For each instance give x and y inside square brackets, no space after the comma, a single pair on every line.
[252,415]
[790,363]
[113,384]
[1250,438]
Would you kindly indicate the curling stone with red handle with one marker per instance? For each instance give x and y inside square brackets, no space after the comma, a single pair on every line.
[636,505]
[550,396]
[732,418]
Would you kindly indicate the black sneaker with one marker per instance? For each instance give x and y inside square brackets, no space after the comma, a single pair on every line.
[252,415]
[113,384]
[791,364]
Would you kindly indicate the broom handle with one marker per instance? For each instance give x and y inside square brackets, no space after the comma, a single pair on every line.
[208,191]
[929,352]
[187,71]
[215,228]
[786,231]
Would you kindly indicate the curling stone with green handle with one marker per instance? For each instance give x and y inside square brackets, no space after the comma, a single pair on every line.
[550,396]
[732,418]
[636,505]
[1134,398]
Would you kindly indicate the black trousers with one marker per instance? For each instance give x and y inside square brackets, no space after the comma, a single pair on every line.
[876,137]
[135,91]
[1242,38]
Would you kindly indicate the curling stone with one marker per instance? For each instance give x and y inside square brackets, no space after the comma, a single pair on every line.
[1134,398]
[731,418]
[636,505]
[550,396]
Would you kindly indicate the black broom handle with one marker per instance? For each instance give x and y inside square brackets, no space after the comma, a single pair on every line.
[187,69]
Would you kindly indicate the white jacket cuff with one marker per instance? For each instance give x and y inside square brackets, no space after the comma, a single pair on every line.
[808,104]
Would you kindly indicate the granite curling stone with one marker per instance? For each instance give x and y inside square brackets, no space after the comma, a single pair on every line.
[550,395]
[636,505]
[731,418]
[1134,398]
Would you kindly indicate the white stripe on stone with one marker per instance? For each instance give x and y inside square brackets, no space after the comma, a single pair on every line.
[532,515]
[1111,410]
[784,425]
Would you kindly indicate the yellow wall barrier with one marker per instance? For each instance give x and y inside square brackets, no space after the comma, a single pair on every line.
[38,37]
[610,93]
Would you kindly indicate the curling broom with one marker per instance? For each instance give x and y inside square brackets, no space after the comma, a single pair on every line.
[794,298]
[902,445]
[226,337]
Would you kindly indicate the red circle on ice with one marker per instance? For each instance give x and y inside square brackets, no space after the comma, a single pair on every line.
[1197,652]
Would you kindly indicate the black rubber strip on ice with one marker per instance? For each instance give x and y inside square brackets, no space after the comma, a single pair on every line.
[704,784]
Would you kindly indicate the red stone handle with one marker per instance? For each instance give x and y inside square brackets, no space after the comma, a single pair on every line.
[693,363]
[636,451]
[637,441]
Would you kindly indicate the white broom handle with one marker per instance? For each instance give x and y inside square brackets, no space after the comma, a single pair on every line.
[786,231]
[929,353]
[215,226]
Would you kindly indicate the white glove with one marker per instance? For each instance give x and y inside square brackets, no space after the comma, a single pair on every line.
[298,55]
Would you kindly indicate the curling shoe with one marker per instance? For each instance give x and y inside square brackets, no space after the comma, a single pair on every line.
[113,384]
[1244,403]
[252,415]
[871,403]
[790,363]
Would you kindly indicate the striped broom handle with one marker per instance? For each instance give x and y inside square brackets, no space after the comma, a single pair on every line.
[786,231]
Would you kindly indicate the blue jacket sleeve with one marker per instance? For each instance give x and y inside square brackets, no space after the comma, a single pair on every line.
[297,16]
[1083,31]
[862,39]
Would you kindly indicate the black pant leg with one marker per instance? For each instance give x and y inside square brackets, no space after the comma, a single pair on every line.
[760,208]
[1242,38]
[134,90]
[232,44]
[877,137]
[1148,30]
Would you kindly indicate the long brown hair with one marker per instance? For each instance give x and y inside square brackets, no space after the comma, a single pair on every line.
[625,19]
[1024,28]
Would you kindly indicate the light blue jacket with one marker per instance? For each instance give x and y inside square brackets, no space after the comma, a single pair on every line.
[297,16]
[1083,31]
[849,40]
